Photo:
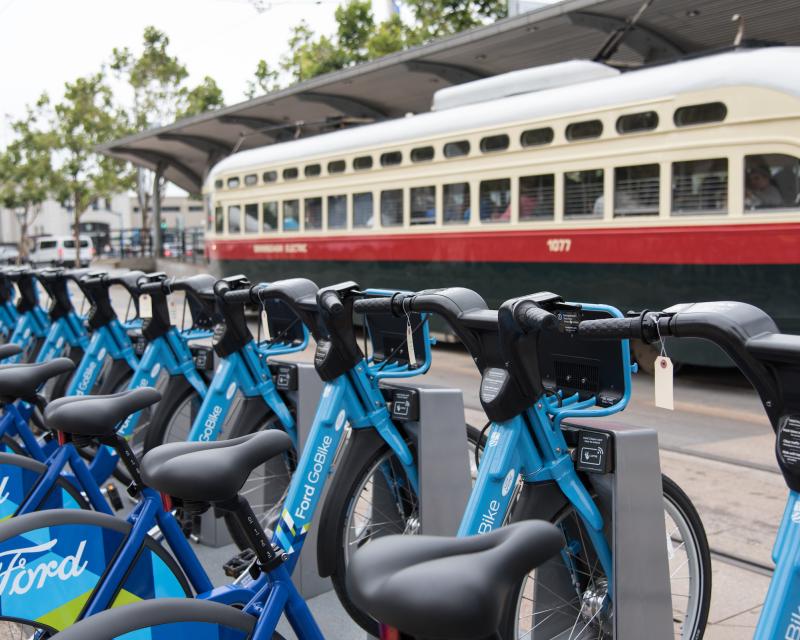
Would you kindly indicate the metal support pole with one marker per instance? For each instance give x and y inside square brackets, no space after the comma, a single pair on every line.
[157,248]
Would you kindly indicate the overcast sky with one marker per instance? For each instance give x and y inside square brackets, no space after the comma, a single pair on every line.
[45,43]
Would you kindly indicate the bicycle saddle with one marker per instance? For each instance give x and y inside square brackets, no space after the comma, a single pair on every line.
[8,350]
[22,381]
[442,587]
[210,471]
[97,416]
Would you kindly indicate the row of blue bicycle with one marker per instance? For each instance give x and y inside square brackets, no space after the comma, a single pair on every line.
[190,427]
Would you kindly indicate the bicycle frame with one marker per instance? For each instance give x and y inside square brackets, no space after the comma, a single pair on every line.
[66,331]
[8,318]
[29,326]
[780,615]
[244,371]
[109,339]
[531,447]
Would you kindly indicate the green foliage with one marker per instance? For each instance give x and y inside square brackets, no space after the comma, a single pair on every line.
[85,118]
[204,97]
[158,78]
[265,81]
[358,38]
[27,176]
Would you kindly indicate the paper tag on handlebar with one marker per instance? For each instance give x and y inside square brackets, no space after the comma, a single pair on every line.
[412,357]
[663,383]
[265,324]
[145,306]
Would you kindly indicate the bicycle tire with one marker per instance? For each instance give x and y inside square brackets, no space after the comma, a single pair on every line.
[168,615]
[20,473]
[283,468]
[675,495]
[83,544]
[165,411]
[340,503]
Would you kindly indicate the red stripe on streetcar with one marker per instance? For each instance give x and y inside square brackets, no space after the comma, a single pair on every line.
[719,244]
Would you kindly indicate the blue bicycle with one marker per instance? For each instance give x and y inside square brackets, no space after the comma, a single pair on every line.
[32,323]
[8,311]
[537,374]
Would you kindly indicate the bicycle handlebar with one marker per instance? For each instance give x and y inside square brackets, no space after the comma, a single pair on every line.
[330,301]
[531,317]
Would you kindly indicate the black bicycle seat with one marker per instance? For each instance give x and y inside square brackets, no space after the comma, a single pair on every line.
[97,416]
[441,587]
[22,381]
[210,471]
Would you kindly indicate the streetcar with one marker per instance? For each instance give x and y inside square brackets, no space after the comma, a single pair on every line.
[574,177]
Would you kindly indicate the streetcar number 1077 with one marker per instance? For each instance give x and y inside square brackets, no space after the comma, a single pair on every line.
[559,245]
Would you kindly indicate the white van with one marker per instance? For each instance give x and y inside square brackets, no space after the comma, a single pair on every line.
[60,250]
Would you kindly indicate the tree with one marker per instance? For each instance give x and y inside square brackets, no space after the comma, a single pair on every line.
[160,96]
[265,81]
[27,177]
[85,118]
[359,39]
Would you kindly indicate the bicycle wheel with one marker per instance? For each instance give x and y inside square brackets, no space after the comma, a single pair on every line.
[266,487]
[13,629]
[565,598]
[167,618]
[19,474]
[379,501]
[60,559]
[173,417]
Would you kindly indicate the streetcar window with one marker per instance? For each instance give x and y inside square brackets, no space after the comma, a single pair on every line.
[250,180]
[495,143]
[495,199]
[392,208]
[219,220]
[536,137]
[422,154]
[218,184]
[636,190]
[251,218]
[700,114]
[362,163]
[456,149]
[313,213]
[584,130]
[391,158]
[583,194]
[700,186]
[269,211]
[291,215]
[290,174]
[336,166]
[536,197]
[337,212]
[362,210]
[234,219]
[635,122]
[233,183]
[771,181]
[312,170]
[456,209]
[269,176]
[423,205]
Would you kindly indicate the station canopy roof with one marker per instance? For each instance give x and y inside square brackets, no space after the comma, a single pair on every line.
[405,82]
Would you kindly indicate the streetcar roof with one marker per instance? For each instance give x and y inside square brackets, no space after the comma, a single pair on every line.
[771,67]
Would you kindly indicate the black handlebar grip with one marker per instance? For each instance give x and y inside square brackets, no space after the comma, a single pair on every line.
[533,318]
[238,296]
[611,328]
[373,305]
[330,301]
[152,287]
